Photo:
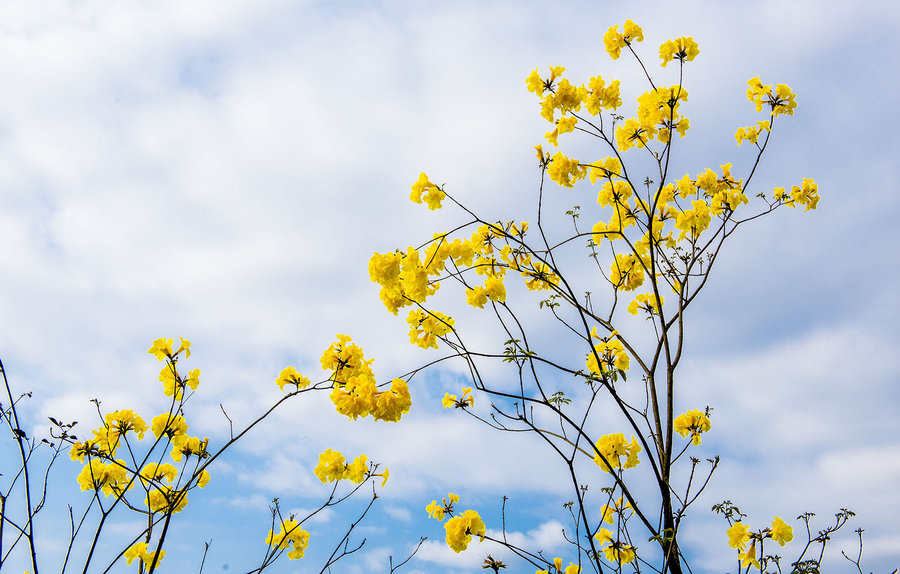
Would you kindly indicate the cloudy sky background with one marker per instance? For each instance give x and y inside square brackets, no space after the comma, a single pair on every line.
[223,171]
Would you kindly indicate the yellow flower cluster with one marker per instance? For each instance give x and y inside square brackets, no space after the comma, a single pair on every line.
[657,116]
[290,376]
[739,535]
[646,302]
[139,551]
[806,195]
[409,278]
[781,100]
[565,171]
[433,195]
[465,400]
[437,511]
[692,423]
[426,326]
[750,133]
[459,528]
[612,447]
[608,355]
[565,98]
[173,383]
[291,538]
[627,272]
[683,49]
[110,478]
[615,40]
[333,466]
[355,393]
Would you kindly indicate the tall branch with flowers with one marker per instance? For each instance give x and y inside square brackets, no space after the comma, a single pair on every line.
[608,406]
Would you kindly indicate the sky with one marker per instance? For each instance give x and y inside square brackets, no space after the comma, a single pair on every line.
[223,171]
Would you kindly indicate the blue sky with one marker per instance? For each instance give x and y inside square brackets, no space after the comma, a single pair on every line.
[223,171]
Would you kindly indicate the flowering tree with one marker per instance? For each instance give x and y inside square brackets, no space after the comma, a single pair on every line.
[603,395]
[150,469]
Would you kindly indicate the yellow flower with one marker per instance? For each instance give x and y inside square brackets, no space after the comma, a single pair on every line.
[646,302]
[613,447]
[184,346]
[534,83]
[290,376]
[619,552]
[355,472]
[683,49]
[426,326]
[290,536]
[603,536]
[190,446]
[437,511]
[110,478]
[122,422]
[461,528]
[331,466]
[466,400]
[138,550]
[748,558]
[737,535]
[173,426]
[615,41]
[781,532]
[692,422]
[163,498]
[162,348]
[393,403]
[434,195]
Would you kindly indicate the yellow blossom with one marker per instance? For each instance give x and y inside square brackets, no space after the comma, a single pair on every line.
[461,528]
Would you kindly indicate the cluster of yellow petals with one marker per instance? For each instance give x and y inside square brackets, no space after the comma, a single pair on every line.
[111,478]
[750,133]
[465,399]
[565,171]
[492,250]
[683,49]
[614,40]
[291,538]
[333,466]
[290,376]
[612,447]
[138,551]
[692,423]
[780,101]
[459,528]
[437,511]
[806,195]
[425,327]
[355,393]
[608,355]
[423,189]
[174,383]
[647,302]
